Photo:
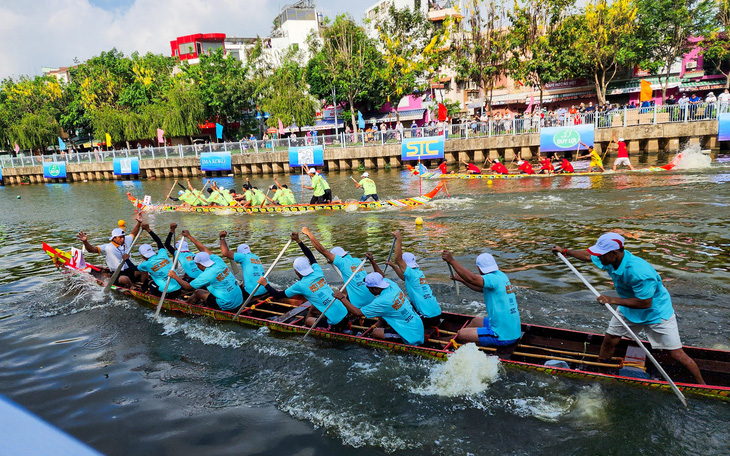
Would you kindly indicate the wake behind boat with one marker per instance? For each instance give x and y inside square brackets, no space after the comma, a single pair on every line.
[540,348]
[141,206]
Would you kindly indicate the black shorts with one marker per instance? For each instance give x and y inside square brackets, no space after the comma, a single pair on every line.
[246,294]
[316,200]
[327,197]
[212,302]
[154,290]
[129,273]
[431,322]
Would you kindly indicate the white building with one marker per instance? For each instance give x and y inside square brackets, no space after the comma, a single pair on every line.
[379,11]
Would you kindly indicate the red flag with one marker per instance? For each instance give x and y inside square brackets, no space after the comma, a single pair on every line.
[443,113]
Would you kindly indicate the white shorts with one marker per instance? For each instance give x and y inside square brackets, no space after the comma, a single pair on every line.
[622,161]
[662,336]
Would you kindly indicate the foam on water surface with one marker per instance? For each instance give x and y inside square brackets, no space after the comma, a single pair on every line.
[693,158]
[468,371]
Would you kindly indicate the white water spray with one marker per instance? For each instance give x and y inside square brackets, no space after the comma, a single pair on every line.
[468,371]
[692,157]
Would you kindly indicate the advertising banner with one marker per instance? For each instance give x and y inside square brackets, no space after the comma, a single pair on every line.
[723,127]
[126,166]
[54,170]
[422,148]
[310,156]
[215,161]
[560,139]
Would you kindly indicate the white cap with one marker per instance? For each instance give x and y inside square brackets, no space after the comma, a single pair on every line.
[410,260]
[496,160]
[182,246]
[486,263]
[180,192]
[338,251]
[203,258]
[519,162]
[375,280]
[116,232]
[621,140]
[366,174]
[311,171]
[302,266]
[146,250]
[607,243]
[243,248]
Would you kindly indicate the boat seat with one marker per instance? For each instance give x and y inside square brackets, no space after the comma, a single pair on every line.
[506,351]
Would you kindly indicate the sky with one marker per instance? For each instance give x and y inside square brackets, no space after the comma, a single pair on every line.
[52,33]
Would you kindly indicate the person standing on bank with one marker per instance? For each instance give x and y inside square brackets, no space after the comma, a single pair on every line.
[501,326]
[642,300]
[368,186]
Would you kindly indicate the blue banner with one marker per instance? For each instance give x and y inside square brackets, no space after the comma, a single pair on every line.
[218,131]
[423,148]
[560,139]
[54,170]
[310,156]
[215,161]
[723,127]
[126,166]
[61,144]
[1,173]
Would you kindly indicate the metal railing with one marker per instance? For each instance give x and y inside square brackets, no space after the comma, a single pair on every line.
[528,124]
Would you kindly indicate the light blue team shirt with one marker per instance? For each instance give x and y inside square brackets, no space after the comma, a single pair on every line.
[393,305]
[636,278]
[221,283]
[499,297]
[187,261]
[315,289]
[420,294]
[357,292]
[252,270]
[158,265]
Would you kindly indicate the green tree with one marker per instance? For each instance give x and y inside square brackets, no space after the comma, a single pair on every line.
[348,60]
[30,110]
[607,40]
[665,27]
[285,96]
[412,50]
[716,45]
[481,44]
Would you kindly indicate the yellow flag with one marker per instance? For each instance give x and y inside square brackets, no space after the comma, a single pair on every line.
[108,140]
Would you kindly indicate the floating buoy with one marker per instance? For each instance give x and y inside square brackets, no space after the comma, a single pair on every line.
[419,221]
[489,182]
[18,196]
[121,223]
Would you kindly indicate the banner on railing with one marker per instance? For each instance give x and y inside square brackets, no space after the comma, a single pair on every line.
[1,173]
[215,161]
[126,166]
[723,127]
[559,139]
[310,156]
[54,170]
[422,148]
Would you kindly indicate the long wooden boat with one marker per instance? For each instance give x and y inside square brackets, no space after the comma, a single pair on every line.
[338,206]
[541,348]
[438,175]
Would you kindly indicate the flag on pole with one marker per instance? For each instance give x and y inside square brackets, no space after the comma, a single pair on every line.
[443,112]
[360,121]
[108,140]
[160,135]
[281,127]
[218,131]
[61,144]
[646,92]
[422,169]
[532,102]
[428,116]
[17,148]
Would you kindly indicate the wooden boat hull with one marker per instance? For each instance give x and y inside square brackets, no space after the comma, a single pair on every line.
[430,175]
[342,206]
[579,349]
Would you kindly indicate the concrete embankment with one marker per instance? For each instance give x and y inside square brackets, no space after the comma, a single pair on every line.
[642,141]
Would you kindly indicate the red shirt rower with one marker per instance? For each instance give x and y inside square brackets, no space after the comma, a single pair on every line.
[499,168]
[442,167]
[526,168]
[566,166]
[473,169]
[546,165]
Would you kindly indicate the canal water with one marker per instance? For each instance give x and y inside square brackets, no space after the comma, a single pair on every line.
[101,369]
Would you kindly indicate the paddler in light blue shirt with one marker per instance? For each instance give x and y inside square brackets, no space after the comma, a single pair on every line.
[419,291]
[157,265]
[356,291]
[250,265]
[501,326]
[393,308]
[186,259]
[216,286]
[314,288]
[642,300]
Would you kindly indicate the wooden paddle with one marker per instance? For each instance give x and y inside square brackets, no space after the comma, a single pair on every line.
[119,268]
[265,196]
[167,284]
[456,282]
[390,255]
[170,192]
[250,297]
[342,289]
[626,327]
[197,197]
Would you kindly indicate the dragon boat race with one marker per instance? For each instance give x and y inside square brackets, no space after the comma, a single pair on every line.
[454,227]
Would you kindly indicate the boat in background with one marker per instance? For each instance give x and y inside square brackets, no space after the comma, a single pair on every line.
[540,348]
[141,206]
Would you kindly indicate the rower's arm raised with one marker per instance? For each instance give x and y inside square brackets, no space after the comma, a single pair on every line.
[398,252]
[317,245]
[83,237]
[468,277]
[225,251]
[195,242]
[375,266]
[168,241]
